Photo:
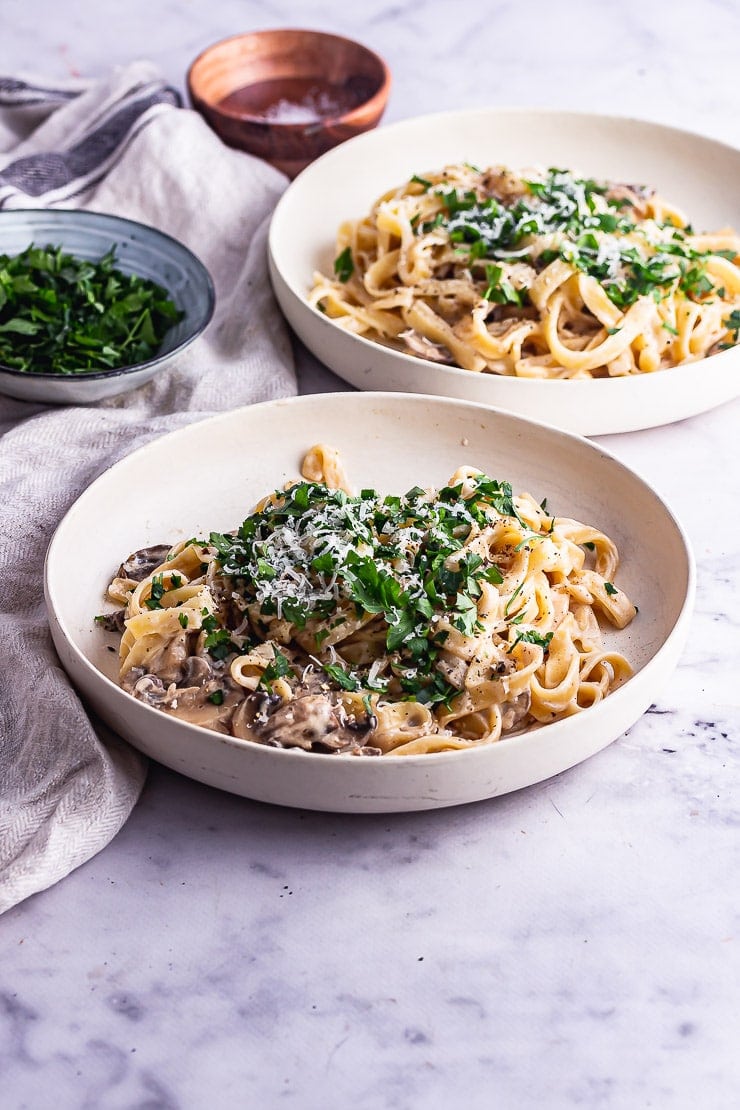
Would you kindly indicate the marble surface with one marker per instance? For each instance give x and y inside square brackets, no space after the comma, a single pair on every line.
[572,945]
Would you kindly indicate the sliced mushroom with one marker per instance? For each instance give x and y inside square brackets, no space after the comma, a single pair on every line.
[210,704]
[300,722]
[504,185]
[252,713]
[452,668]
[141,563]
[514,713]
[424,348]
[146,687]
[197,670]
[312,721]
[633,196]
[112,622]
[169,664]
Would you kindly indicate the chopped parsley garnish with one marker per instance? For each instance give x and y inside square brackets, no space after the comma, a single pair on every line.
[732,323]
[499,290]
[531,636]
[65,315]
[156,593]
[217,640]
[279,668]
[630,257]
[610,589]
[694,281]
[344,267]
[318,558]
[217,697]
[341,677]
[512,599]
[183,619]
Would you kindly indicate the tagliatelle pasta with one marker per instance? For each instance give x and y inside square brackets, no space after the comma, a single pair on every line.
[376,625]
[536,275]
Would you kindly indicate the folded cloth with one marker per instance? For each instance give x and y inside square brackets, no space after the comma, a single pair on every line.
[122,145]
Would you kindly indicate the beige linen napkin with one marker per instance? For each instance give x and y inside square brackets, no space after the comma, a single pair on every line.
[121,145]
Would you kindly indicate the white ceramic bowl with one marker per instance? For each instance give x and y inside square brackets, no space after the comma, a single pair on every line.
[698,174]
[208,477]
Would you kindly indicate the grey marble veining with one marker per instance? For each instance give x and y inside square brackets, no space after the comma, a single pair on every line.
[572,945]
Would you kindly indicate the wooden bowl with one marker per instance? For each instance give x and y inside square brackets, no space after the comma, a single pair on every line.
[288,96]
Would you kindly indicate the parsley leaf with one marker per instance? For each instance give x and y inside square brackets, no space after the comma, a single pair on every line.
[732,323]
[343,678]
[218,643]
[498,290]
[531,636]
[278,668]
[156,593]
[344,266]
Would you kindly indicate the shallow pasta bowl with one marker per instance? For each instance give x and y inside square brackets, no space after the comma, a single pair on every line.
[209,476]
[695,173]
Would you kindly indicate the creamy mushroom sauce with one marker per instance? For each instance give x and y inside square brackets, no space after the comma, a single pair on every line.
[179,681]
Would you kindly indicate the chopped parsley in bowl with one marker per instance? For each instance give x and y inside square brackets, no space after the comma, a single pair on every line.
[60,314]
[92,305]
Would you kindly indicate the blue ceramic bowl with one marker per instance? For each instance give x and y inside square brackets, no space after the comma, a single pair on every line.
[140,250]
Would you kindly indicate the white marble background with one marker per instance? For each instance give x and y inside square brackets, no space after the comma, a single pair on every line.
[573,945]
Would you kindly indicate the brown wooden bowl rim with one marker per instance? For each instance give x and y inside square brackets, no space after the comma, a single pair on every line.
[376,101]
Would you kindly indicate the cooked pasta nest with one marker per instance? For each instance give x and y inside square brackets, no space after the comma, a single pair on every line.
[375,625]
[540,275]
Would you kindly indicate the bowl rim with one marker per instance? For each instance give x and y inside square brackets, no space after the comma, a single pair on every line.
[377,100]
[122,222]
